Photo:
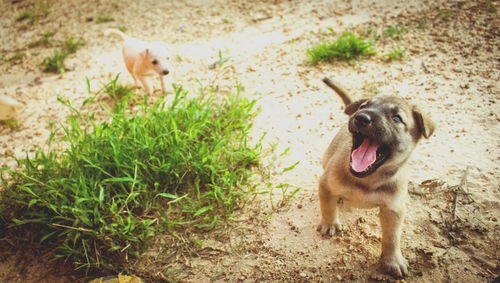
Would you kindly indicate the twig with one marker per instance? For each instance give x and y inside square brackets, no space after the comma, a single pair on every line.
[425,68]
[74,228]
[460,188]
[423,194]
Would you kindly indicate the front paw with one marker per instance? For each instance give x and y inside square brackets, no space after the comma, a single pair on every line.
[328,230]
[395,265]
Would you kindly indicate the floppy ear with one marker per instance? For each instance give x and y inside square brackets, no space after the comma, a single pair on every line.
[353,107]
[424,124]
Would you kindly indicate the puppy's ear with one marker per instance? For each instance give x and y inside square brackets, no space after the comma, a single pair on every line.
[424,124]
[145,53]
[353,107]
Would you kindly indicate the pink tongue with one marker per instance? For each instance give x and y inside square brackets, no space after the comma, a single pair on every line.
[364,155]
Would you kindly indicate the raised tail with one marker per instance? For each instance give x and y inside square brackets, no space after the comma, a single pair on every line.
[343,95]
[115,31]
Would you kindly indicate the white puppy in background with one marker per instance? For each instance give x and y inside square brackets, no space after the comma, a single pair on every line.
[144,58]
[9,108]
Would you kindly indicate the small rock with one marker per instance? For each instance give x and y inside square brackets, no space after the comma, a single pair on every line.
[261,16]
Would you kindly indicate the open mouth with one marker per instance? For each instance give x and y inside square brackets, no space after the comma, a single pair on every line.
[367,155]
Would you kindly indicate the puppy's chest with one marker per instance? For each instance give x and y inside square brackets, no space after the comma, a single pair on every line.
[360,199]
[358,196]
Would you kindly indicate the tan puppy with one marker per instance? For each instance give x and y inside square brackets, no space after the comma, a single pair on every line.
[366,165]
[143,58]
[9,108]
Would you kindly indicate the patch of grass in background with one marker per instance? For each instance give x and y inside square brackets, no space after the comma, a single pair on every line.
[346,47]
[120,94]
[327,30]
[103,19]
[350,46]
[394,32]
[70,45]
[294,39]
[117,91]
[395,54]
[118,183]
[39,12]
[55,62]
[122,28]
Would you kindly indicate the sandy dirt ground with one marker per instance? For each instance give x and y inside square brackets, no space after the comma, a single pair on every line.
[451,69]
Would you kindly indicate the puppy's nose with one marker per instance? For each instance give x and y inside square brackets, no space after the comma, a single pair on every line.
[165,72]
[362,119]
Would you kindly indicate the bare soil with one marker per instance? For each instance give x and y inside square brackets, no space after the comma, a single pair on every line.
[451,69]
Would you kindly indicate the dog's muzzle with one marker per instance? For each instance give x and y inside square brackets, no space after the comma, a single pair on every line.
[368,152]
[165,72]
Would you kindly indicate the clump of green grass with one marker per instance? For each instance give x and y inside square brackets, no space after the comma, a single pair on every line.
[395,54]
[347,47]
[119,93]
[294,39]
[55,62]
[103,19]
[122,28]
[172,167]
[221,59]
[39,12]
[70,45]
[395,32]
[328,30]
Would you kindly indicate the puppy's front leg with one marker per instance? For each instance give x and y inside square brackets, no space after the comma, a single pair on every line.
[162,80]
[392,260]
[145,84]
[136,85]
[330,223]
[139,74]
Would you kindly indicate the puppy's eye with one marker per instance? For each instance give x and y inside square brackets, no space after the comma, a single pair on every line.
[397,118]
[154,62]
